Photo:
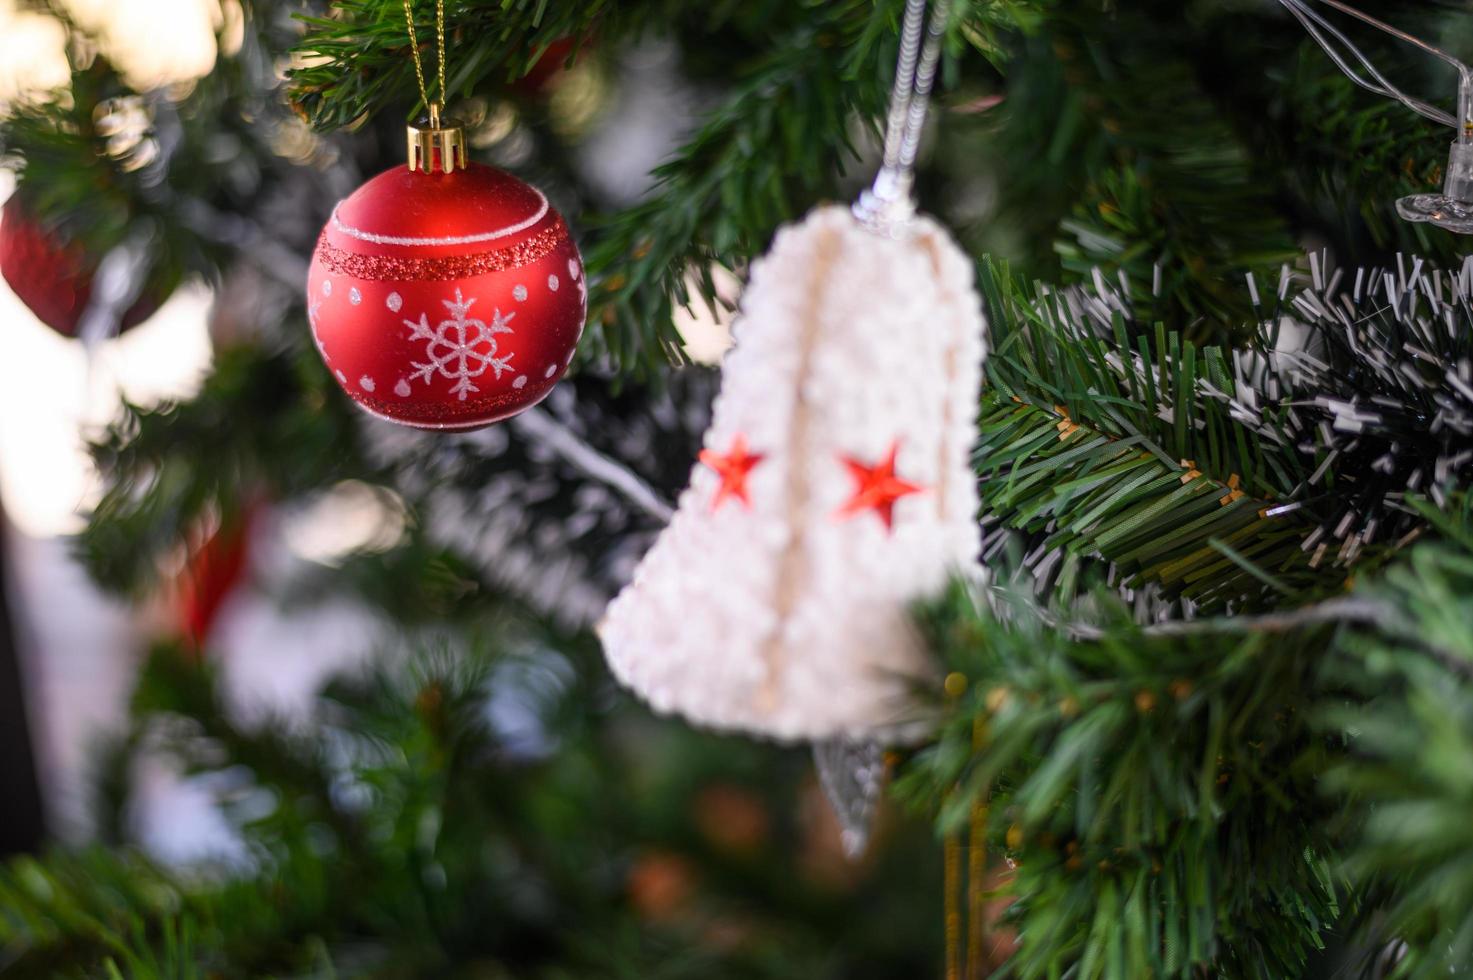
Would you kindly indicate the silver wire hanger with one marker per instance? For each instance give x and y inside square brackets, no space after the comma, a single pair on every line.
[1453,208]
[889,204]
[852,771]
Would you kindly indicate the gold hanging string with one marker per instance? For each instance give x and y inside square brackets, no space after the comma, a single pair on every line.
[419,72]
[434,144]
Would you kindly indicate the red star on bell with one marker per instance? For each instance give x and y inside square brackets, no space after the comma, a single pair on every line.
[733,468]
[876,487]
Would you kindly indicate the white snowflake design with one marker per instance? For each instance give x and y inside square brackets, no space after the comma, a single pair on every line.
[460,348]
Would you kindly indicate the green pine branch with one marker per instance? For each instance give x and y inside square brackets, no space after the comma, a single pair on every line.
[1100,443]
[96,913]
[1213,800]
[1111,152]
[358,60]
[1155,796]
[1091,495]
[1408,780]
[1230,478]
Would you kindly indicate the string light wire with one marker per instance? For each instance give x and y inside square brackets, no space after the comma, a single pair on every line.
[1323,32]
[1453,208]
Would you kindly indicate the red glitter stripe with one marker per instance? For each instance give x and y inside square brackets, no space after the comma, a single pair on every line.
[386,268]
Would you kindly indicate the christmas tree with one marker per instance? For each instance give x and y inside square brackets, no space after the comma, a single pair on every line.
[1208,712]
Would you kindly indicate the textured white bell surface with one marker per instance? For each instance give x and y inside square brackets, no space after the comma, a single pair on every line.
[780,616]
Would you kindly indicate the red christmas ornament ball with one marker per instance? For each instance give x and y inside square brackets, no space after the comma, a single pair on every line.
[446,300]
[53,277]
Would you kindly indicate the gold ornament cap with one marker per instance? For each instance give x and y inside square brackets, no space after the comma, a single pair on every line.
[434,141]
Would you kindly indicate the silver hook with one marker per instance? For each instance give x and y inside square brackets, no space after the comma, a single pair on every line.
[889,203]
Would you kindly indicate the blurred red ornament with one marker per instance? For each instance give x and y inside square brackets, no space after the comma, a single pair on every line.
[733,818]
[661,885]
[214,565]
[53,277]
[446,300]
[552,63]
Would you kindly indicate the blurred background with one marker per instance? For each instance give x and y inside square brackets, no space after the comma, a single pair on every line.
[77,645]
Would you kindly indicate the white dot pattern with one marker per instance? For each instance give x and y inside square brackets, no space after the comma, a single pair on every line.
[552,283]
[520,293]
[354,296]
[394,301]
